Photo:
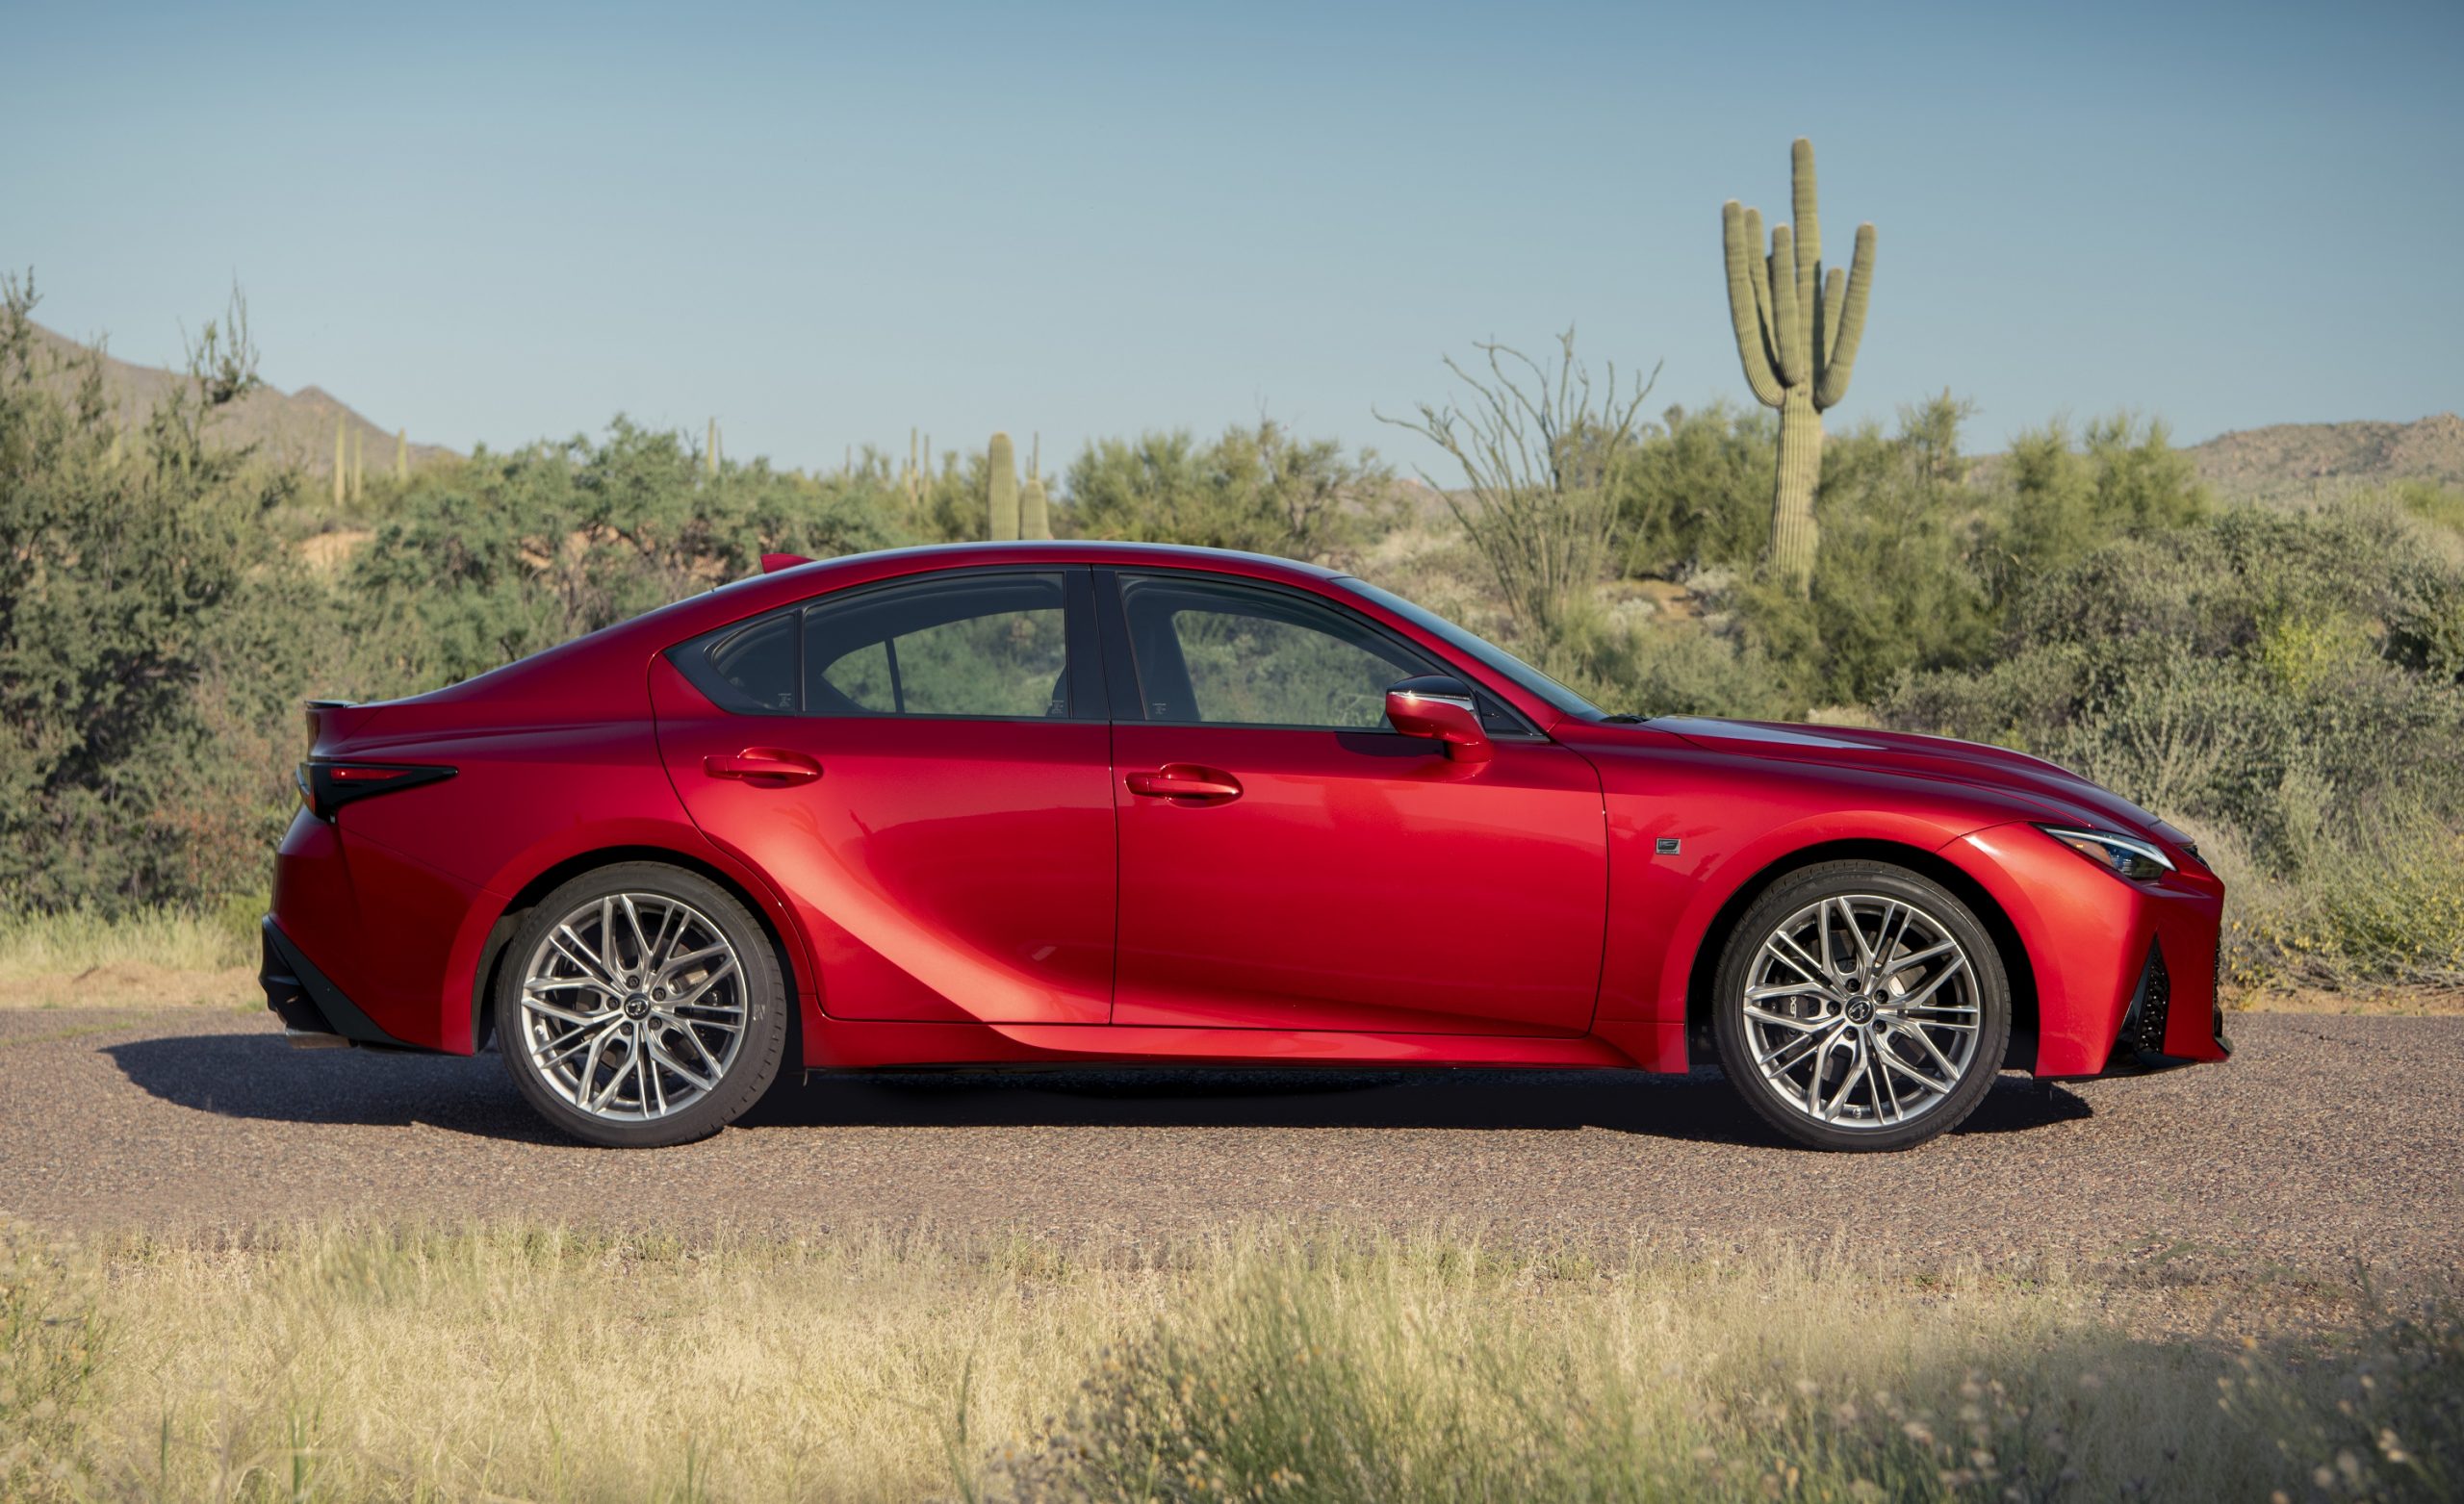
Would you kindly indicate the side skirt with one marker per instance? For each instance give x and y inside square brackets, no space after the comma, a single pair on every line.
[844,1045]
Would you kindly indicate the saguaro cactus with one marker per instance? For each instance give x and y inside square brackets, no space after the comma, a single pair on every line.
[402,454]
[1034,509]
[710,452]
[1797,330]
[1003,462]
[342,463]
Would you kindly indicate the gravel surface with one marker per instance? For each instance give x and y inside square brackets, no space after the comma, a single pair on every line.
[2327,1141]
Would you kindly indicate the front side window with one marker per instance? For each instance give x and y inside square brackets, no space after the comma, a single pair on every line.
[1217,654]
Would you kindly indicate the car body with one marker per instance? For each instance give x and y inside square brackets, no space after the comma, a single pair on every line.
[954,865]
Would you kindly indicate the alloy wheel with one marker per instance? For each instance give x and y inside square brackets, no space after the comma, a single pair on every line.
[633,1006]
[1862,1012]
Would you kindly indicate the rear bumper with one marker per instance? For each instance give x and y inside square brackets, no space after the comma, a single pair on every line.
[315,1013]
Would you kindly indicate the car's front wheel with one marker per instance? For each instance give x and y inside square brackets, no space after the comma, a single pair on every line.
[1861,1005]
[640,1004]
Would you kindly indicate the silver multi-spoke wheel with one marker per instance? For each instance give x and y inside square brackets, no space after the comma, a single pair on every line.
[633,1006]
[1862,1012]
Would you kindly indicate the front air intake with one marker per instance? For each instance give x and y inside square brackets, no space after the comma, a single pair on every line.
[2142,1028]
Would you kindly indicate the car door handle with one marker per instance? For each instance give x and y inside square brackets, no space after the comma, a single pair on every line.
[1186,781]
[769,764]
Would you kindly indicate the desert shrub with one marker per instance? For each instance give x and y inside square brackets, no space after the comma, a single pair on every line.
[501,556]
[1254,488]
[2276,676]
[2066,496]
[1696,492]
[1896,584]
[1684,669]
[139,599]
[2441,506]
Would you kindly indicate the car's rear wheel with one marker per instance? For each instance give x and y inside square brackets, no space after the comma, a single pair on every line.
[1861,1005]
[640,1004]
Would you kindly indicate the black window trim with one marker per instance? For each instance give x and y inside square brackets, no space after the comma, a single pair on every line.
[1088,700]
[1120,662]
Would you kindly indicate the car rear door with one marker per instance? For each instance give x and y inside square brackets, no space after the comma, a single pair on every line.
[923,765]
[1341,875]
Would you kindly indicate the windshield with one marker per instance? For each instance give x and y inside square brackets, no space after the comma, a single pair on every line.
[1489,653]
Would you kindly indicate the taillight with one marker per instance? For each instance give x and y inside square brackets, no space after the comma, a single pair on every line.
[325,786]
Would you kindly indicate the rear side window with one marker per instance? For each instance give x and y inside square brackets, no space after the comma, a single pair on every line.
[981,647]
[753,669]
[991,647]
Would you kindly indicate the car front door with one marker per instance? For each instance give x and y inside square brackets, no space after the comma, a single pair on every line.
[924,767]
[1287,860]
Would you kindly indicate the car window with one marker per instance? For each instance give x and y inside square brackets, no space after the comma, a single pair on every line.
[986,646]
[1230,654]
[754,667]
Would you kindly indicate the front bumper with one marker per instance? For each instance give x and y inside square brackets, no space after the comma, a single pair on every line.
[2124,972]
[2149,1026]
[315,1013]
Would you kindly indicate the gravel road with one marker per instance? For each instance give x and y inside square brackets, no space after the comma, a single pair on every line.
[2325,1140]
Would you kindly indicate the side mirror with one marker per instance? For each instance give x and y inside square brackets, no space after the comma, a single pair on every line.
[1441,707]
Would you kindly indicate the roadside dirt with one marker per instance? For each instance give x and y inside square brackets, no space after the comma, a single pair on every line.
[2327,1145]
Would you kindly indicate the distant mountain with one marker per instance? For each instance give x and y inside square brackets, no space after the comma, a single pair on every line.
[2295,461]
[296,426]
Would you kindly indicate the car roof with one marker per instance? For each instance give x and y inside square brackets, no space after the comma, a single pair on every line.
[1080,550]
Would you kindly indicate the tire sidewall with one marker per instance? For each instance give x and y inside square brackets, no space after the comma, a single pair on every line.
[1838,880]
[758,1059]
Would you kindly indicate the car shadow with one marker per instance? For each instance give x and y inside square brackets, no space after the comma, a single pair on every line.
[257,1076]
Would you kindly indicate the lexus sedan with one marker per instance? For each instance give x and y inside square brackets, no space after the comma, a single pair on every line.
[1039,803]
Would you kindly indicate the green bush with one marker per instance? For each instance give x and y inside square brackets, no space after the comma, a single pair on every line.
[139,597]
[2276,675]
[1257,489]
[1696,491]
[497,556]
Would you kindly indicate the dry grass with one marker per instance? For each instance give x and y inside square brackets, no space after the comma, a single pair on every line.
[346,1362]
[2380,1002]
[160,959]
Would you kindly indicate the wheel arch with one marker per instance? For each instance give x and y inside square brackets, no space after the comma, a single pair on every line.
[2016,963]
[499,937]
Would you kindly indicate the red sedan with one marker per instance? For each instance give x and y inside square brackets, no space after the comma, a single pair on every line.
[1056,802]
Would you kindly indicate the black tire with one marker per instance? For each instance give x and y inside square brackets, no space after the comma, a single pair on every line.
[745,1074]
[1833,891]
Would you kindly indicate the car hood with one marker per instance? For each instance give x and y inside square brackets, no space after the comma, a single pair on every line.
[2037,789]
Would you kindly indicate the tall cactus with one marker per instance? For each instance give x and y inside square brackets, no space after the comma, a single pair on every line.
[1003,462]
[401,455]
[1035,510]
[710,452]
[342,463]
[1797,331]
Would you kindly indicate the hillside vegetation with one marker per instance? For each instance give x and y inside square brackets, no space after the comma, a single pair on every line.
[2286,681]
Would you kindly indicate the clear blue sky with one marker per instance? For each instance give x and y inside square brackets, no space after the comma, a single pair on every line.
[827,224]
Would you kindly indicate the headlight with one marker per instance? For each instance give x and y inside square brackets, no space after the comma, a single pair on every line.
[2122,856]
